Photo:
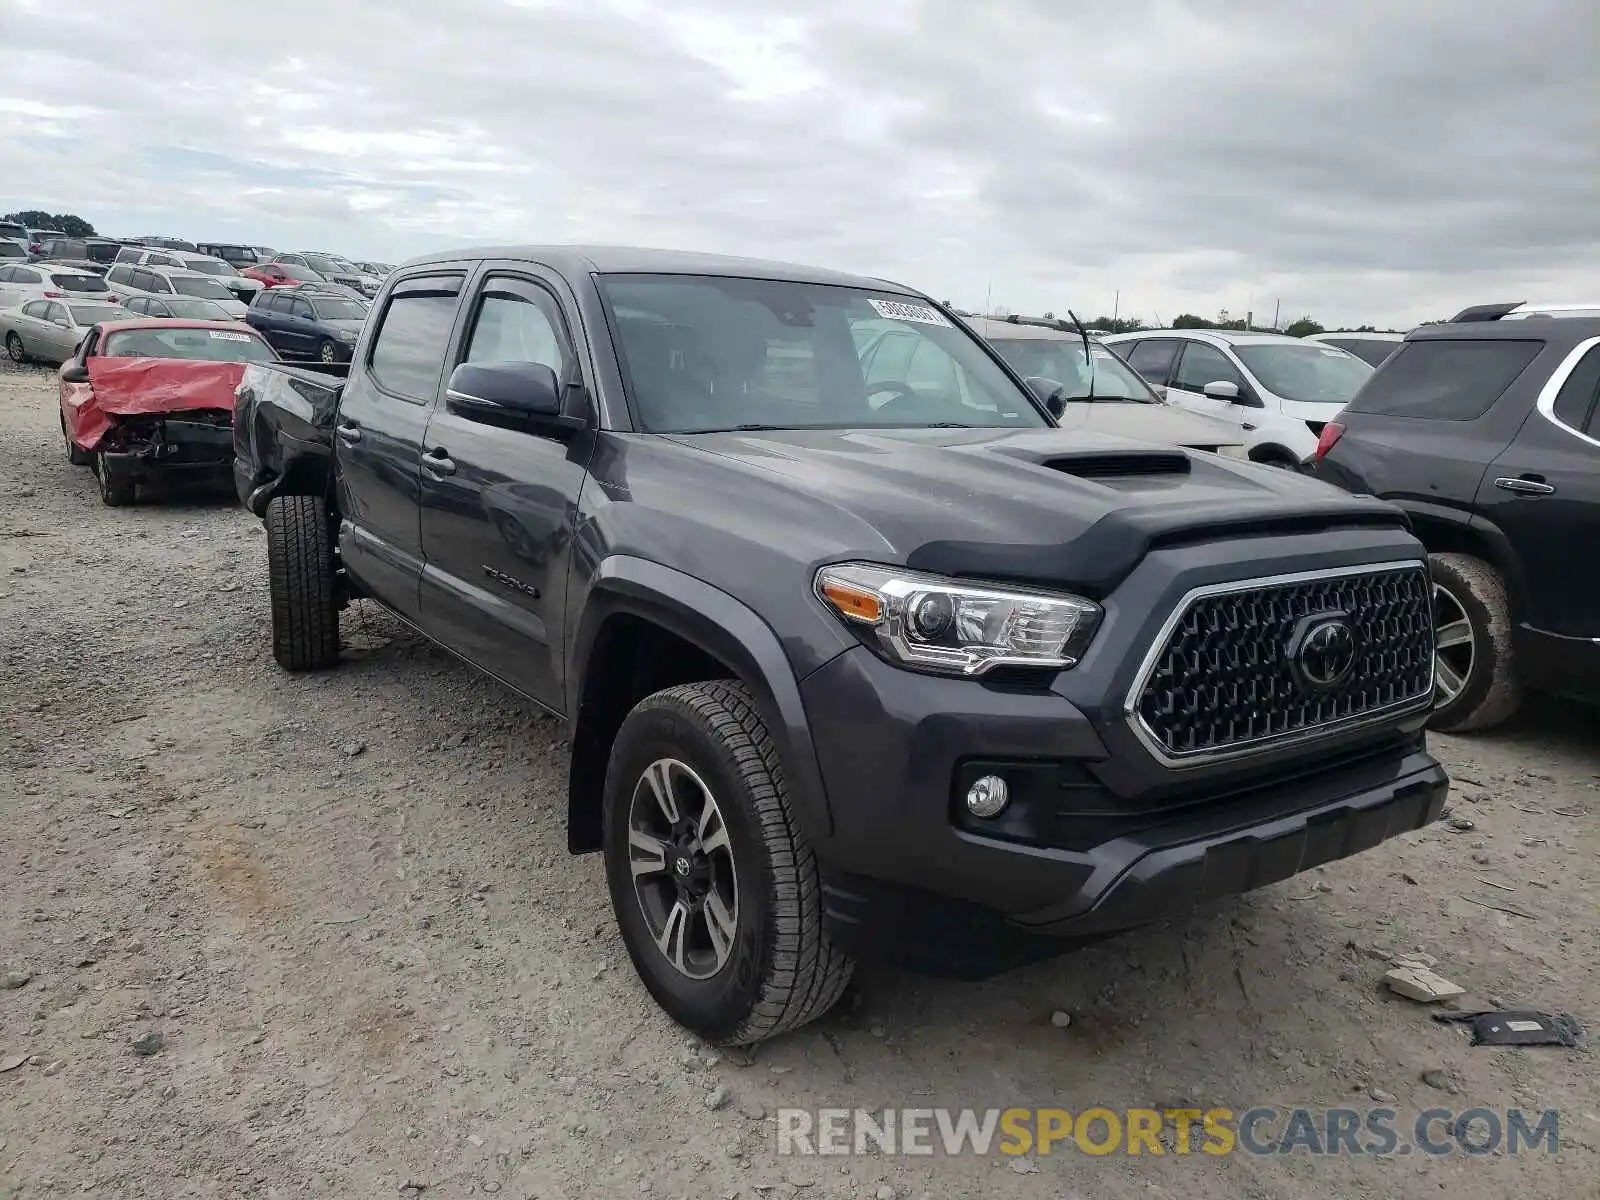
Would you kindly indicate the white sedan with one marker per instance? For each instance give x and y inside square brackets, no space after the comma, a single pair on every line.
[50,330]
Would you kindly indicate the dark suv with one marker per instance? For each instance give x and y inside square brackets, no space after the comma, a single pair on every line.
[852,661]
[1486,431]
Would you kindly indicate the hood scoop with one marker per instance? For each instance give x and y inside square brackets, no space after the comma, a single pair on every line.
[1102,463]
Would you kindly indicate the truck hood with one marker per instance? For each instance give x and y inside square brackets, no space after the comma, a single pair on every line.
[1046,505]
[1163,424]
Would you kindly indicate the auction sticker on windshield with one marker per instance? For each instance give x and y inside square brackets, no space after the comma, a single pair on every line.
[224,335]
[899,310]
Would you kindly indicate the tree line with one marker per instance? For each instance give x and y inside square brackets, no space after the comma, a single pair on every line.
[68,223]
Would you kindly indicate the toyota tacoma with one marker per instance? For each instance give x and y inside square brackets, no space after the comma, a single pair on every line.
[853,662]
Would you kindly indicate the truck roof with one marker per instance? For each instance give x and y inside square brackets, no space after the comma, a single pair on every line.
[626,260]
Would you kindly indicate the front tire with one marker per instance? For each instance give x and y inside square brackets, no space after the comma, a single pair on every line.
[1476,684]
[736,951]
[328,352]
[15,348]
[305,613]
[116,489]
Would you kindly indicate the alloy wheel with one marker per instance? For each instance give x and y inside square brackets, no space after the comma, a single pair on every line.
[14,348]
[1455,647]
[328,352]
[683,871]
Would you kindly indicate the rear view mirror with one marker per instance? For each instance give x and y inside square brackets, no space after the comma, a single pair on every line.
[1051,394]
[1222,390]
[515,394]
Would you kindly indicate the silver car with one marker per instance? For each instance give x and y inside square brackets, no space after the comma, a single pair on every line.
[1099,393]
[50,330]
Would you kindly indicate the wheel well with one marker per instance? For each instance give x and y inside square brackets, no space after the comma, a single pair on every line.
[632,658]
[1447,537]
[1273,454]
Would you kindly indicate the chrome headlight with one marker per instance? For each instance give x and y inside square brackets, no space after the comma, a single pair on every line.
[933,623]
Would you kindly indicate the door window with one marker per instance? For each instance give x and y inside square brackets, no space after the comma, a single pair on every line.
[518,326]
[1202,364]
[408,353]
[1577,404]
[23,275]
[56,314]
[1152,358]
[128,255]
[35,309]
[301,308]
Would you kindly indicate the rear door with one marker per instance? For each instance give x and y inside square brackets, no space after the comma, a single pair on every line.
[265,317]
[383,411]
[497,503]
[1543,492]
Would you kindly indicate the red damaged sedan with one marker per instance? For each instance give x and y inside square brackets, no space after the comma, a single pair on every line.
[148,400]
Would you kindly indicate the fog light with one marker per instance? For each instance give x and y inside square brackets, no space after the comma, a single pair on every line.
[988,796]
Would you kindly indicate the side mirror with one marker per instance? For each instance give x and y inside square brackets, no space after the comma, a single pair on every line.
[516,395]
[1051,394]
[1222,390]
[74,372]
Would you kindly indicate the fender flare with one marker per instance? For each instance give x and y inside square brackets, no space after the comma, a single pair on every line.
[728,630]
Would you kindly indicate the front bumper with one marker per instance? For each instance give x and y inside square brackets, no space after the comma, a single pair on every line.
[164,447]
[1098,838]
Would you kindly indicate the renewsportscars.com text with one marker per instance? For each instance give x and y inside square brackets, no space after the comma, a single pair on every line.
[1213,1131]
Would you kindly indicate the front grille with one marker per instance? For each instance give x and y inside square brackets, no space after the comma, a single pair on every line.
[1231,672]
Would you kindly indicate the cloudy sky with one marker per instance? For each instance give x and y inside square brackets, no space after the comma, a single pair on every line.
[1361,160]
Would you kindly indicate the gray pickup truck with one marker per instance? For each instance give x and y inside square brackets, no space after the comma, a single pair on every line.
[852,666]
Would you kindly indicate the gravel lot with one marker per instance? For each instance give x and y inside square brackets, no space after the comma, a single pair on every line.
[343,902]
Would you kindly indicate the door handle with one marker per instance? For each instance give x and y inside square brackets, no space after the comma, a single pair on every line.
[1525,485]
[438,462]
[349,434]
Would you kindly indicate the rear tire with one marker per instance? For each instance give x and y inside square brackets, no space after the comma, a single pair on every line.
[76,454]
[305,613]
[777,969]
[1477,679]
[116,489]
[15,349]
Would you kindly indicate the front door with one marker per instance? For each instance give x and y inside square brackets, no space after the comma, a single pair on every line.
[383,411]
[1199,365]
[498,504]
[1543,492]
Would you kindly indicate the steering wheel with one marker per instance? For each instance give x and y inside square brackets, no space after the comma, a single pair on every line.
[902,392]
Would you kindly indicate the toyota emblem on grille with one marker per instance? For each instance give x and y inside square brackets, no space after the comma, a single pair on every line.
[1327,652]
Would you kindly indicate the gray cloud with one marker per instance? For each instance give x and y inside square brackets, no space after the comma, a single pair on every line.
[1365,161]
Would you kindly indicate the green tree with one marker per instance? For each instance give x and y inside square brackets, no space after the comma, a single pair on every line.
[69,223]
[1190,321]
[1304,327]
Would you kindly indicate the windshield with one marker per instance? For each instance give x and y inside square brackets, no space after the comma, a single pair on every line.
[79,283]
[1308,374]
[212,345]
[90,314]
[704,354]
[1061,360]
[301,274]
[334,308]
[188,285]
[209,266]
[321,262]
[196,310]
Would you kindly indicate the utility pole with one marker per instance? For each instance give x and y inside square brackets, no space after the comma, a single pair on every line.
[988,299]
[1116,307]
[1276,305]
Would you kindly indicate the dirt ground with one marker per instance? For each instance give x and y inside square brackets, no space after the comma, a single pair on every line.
[344,904]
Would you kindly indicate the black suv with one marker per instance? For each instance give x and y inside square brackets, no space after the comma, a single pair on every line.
[851,662]
[1486,430]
